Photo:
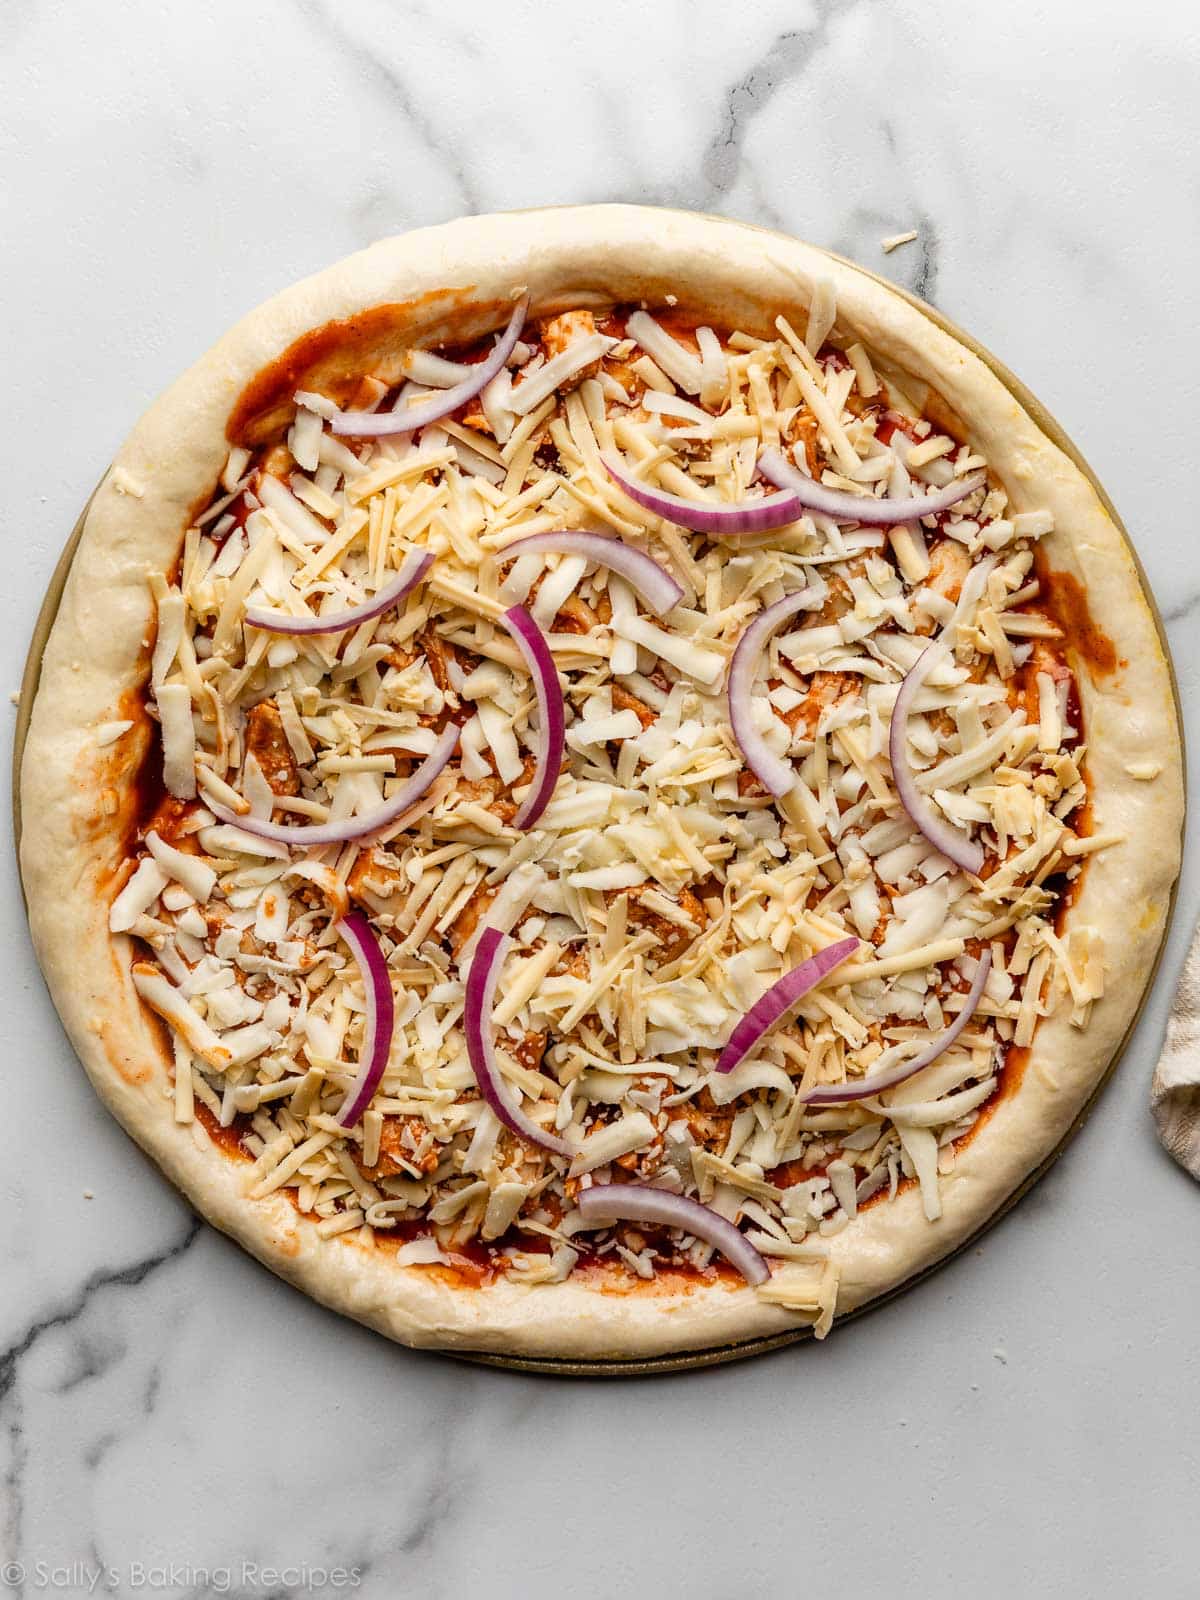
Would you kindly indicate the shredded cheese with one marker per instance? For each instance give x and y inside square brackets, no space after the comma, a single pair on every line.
[662,892]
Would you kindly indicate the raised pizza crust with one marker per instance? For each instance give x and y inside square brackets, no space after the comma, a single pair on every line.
[77,796]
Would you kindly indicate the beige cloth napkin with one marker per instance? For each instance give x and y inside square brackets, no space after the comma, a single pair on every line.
[1175,1091]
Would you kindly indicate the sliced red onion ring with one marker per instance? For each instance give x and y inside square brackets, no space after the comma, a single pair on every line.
[653,583]
[308,835]
[552,724]
[481,1049]
[845,507]
[412,569]
[764,1014]
[385,424]
[747,516]
[771,770]
[942,835]
[640,1202]
[829,1094]
[381,1015]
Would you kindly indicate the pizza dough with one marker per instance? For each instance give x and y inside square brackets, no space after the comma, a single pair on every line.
[448,285]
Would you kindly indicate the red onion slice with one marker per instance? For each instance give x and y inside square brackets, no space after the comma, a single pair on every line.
[412,569]
[845,507]
[640,1202]
[386,424]
[655,586]
[830,1094]
[481,1049]
[552,723]
[381,1015]
[308,835]
[747,516]
[942,835]
[772,771]
[764,1014]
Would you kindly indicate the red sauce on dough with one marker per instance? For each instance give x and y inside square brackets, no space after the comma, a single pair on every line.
[336,356]
[1064,599]
[477,1262]
[227,1139]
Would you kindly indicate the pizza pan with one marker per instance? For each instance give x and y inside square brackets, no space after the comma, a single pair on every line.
[643,1366]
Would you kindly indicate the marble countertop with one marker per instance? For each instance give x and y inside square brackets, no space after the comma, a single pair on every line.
[175,1421]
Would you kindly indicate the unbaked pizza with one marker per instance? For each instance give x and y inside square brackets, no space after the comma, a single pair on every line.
[599,786]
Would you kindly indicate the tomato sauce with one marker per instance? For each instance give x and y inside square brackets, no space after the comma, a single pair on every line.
[228,1139]
[334,358]
[1065,600]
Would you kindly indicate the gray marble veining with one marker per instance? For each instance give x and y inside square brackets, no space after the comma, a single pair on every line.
[175,1421]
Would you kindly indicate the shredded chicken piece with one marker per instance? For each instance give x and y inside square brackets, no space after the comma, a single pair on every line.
[493,794]
[557,333]
[438,652]
[469,918]
[803,430]
[277,462]
[530,1051]
[824,689]
[949,564]
[376,882]
[624,701]
[576,616]
[707,1122]
[399,1141]
[267,742]
[673,938]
